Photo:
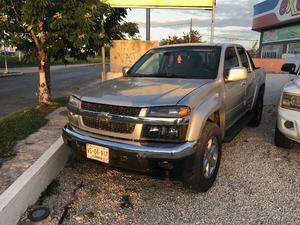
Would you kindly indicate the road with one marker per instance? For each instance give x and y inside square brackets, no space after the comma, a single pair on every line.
[18,92]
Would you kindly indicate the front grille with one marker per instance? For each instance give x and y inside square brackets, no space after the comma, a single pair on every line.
[117,110]
[117,127]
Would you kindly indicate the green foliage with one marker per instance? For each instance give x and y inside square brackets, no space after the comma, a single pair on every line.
[70,27]
[13,61]
[20,125]
[52,189]
[195,38]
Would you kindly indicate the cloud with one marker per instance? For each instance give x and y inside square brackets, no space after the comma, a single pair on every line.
[233,19]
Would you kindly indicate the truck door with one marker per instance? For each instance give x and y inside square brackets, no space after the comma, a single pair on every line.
[234,91]
[250,82]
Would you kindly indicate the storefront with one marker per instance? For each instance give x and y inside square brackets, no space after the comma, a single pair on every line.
[278,21]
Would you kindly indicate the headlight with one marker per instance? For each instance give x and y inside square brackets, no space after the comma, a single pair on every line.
[169,112]
[164,133]
[174,133]
[291,101]
[74,102]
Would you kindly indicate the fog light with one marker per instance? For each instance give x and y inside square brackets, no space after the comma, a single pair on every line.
[289,124]
[165,165]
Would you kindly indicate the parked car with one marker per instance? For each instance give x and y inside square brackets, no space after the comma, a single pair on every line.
[287,130]
[170,112]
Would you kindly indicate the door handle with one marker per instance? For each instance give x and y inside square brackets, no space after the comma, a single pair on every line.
[244,84]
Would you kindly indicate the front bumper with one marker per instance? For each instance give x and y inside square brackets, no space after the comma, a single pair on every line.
[289,115]
[130,154]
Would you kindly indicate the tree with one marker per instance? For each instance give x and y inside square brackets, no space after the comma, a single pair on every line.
[53,29]
[195,38]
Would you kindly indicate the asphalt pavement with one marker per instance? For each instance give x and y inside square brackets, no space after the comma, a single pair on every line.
[17,92]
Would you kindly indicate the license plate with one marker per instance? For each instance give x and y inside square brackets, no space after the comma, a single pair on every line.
[98,153]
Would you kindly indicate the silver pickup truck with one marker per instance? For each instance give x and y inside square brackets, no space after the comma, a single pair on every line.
[170,112]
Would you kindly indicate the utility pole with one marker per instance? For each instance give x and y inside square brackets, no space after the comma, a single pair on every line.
[148,18]
[191,30]
[212,29]
[103,76]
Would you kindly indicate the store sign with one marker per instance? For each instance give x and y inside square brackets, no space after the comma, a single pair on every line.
[204,4]
[291,7]
[272,13]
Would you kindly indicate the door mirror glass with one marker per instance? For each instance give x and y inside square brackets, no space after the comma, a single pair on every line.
[236,74]
[125,70]
[289,67]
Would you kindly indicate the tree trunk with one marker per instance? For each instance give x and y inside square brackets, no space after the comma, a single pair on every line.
[44,78]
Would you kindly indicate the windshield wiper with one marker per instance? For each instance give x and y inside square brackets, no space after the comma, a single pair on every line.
[137,75]
[162,75]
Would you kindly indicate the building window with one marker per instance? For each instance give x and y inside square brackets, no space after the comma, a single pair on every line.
[272,51]
[294,48]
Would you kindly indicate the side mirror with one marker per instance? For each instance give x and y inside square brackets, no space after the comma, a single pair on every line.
[125,70]
[236,74]
[289,67]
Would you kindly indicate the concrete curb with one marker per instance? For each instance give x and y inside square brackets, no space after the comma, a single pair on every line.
[26,190]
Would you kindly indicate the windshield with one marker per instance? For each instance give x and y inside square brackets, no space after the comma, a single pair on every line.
[179,62]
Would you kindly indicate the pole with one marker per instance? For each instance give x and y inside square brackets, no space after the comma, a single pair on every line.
[148,18]
[103,64]
[212,29]
[191,30]
[103,76]
[5,61]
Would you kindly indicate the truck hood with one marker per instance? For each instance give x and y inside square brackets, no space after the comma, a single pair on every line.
[293,87]
[297,82]
[141,92]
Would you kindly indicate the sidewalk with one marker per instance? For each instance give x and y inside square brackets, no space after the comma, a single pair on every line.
[31,148]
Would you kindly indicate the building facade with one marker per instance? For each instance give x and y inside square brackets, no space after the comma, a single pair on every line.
[278,21]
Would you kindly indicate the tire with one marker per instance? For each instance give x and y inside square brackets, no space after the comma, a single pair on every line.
[281,140]
[199,178]
[257,111]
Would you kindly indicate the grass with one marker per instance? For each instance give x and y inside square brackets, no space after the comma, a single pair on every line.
[13,61]
[20,125]
[50,190]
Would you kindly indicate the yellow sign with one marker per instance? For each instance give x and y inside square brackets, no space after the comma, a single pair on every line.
[203,4]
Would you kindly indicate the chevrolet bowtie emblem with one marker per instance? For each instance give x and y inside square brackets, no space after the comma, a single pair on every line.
[105,117]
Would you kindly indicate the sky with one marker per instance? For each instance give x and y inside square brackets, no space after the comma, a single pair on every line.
[233,22]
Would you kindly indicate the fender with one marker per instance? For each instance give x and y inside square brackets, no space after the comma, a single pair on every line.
[201,115]
[260,83]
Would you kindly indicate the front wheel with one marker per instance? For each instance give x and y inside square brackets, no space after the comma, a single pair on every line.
[207,159]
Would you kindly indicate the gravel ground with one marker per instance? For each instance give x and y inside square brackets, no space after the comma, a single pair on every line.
[258,183]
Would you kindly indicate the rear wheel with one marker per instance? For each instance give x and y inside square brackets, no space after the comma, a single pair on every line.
[281,140]
[207,160]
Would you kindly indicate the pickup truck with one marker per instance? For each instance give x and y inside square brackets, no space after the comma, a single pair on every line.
[287,131]
[170,112]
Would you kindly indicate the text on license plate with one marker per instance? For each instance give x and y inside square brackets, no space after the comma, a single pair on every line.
[98,153]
